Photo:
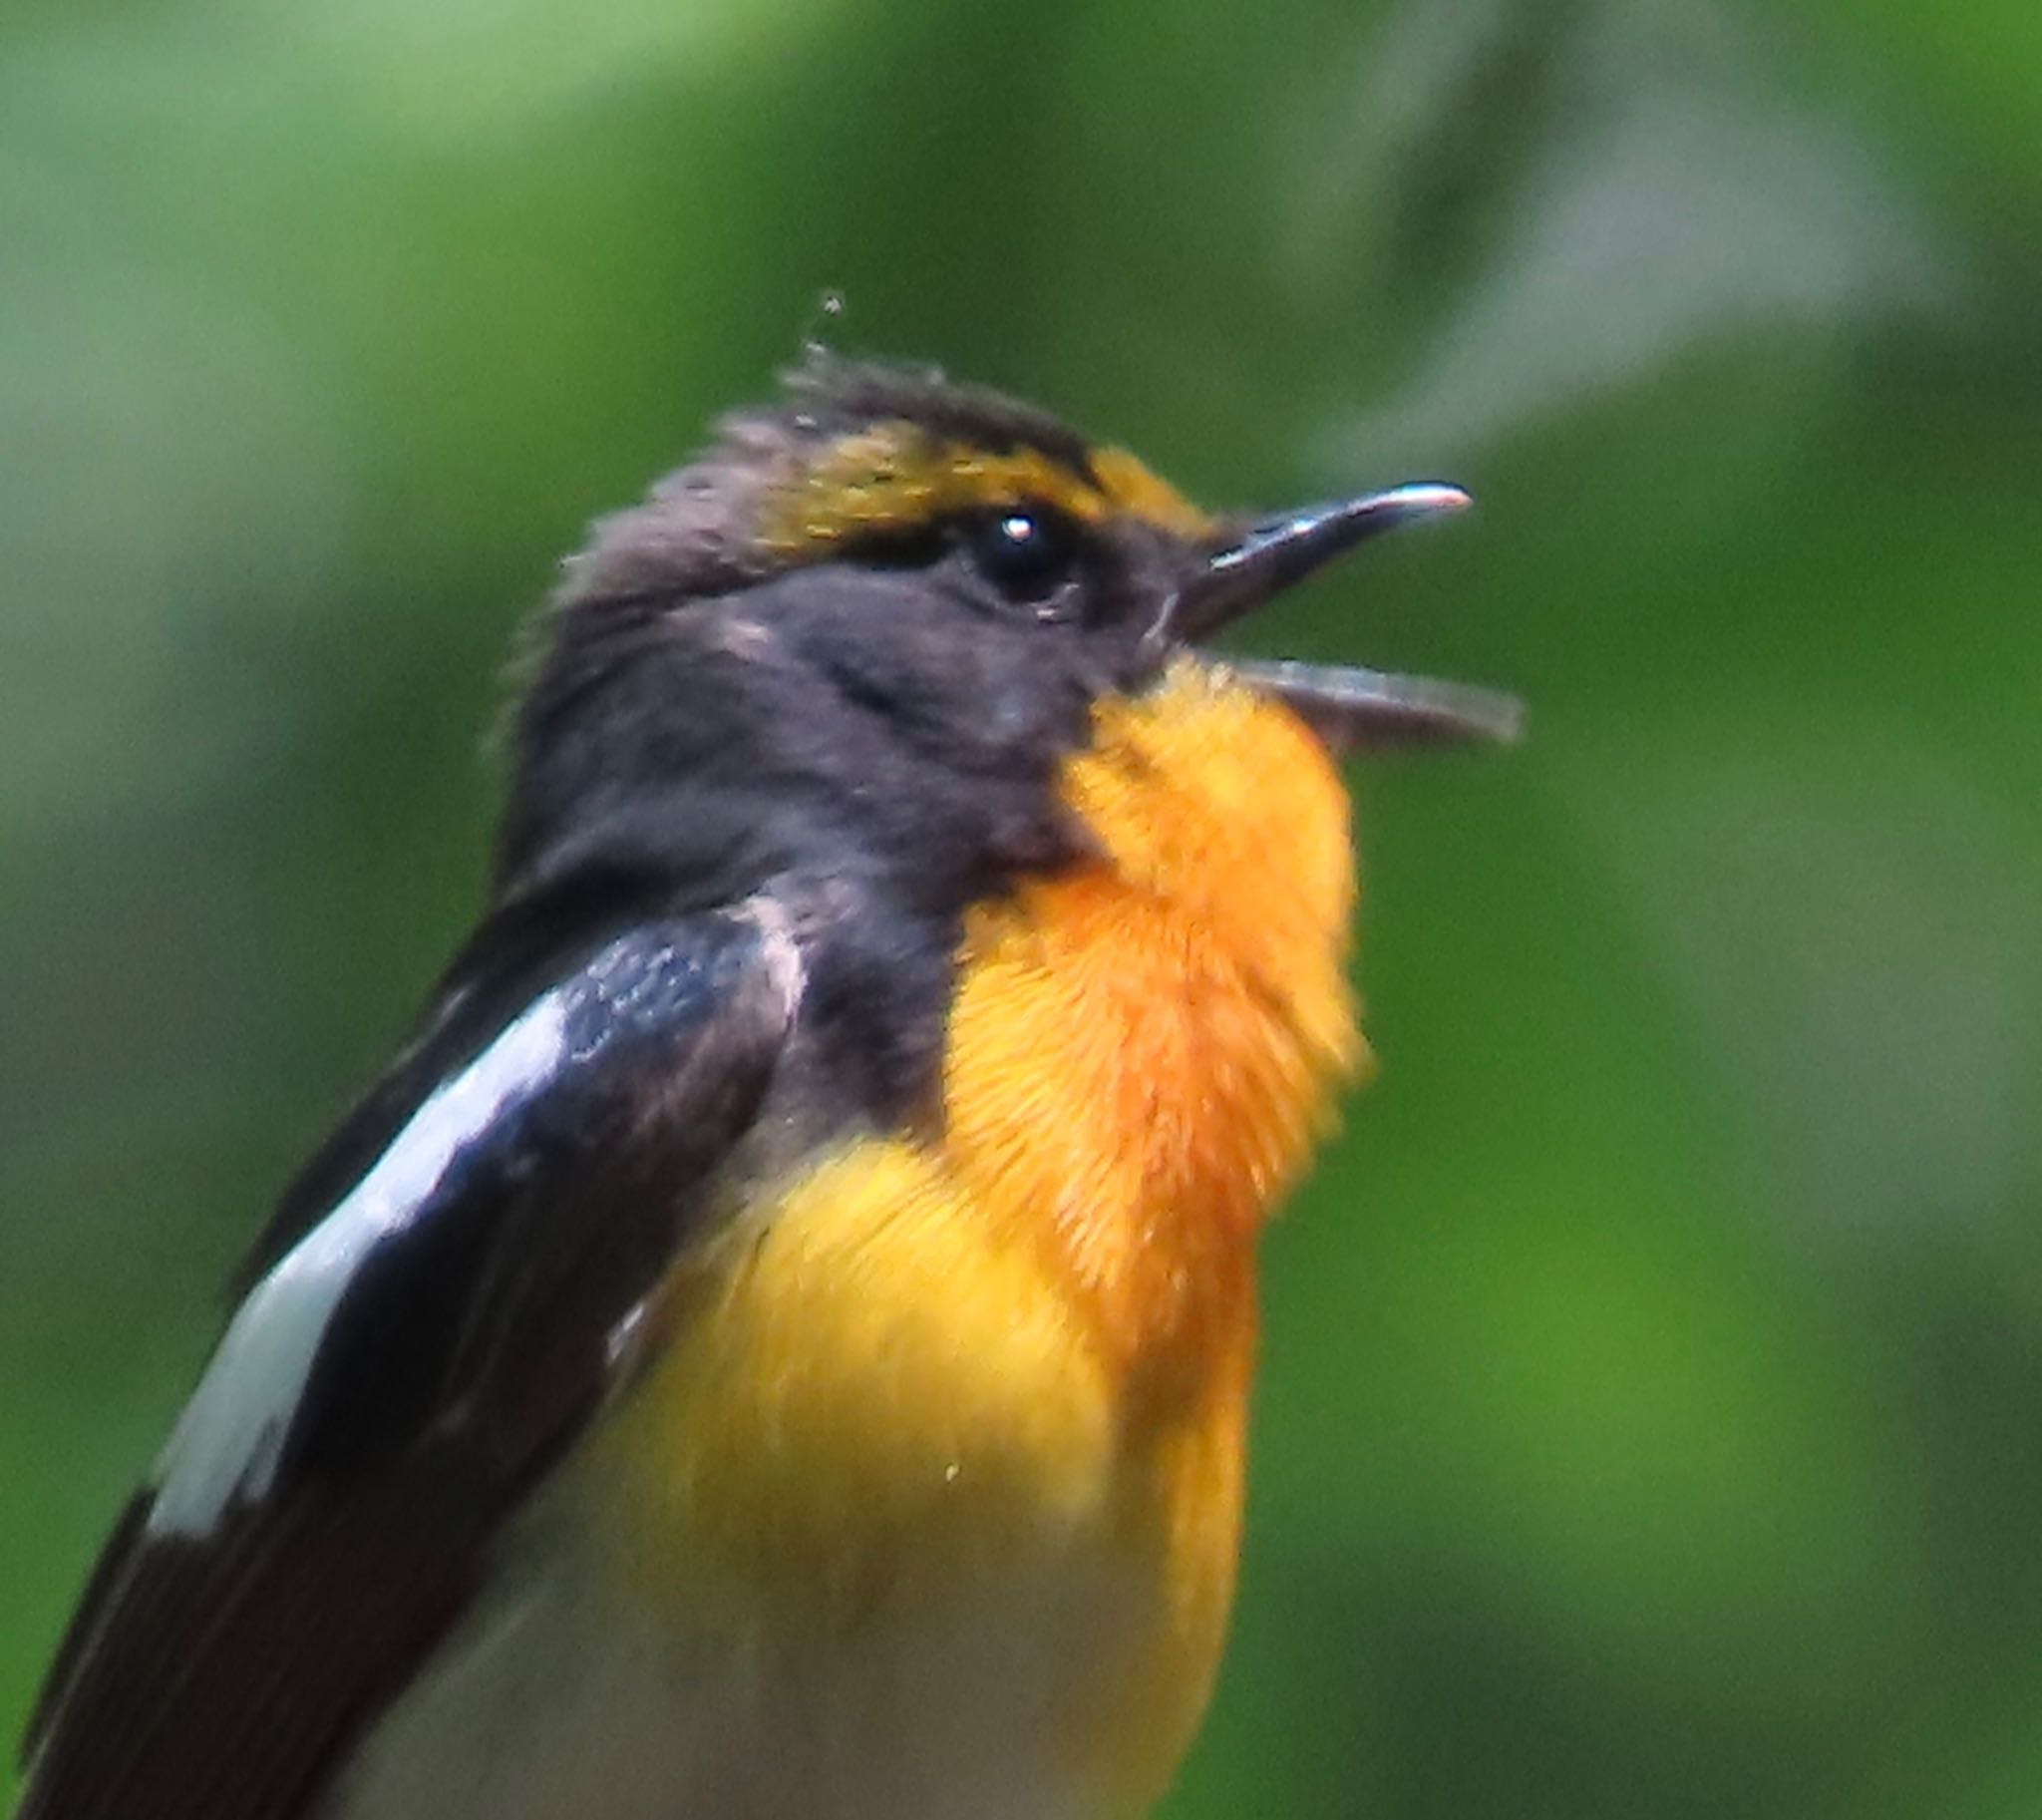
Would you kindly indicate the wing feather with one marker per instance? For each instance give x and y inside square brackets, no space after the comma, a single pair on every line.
[408,1358]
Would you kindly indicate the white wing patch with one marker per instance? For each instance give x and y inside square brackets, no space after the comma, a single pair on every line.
[227,1445]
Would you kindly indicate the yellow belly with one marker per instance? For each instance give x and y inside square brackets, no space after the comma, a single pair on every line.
[884,1464]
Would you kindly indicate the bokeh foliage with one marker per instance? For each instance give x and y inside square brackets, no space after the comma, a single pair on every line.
[1652,1411]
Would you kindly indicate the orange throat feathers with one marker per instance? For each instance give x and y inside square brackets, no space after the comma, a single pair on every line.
[1143,1051]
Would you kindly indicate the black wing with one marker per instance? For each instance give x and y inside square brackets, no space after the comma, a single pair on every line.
[434,1314]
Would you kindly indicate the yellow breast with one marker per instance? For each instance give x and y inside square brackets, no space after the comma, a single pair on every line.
[961,1421]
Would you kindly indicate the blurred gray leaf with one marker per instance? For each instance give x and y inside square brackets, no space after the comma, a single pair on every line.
[1678,196]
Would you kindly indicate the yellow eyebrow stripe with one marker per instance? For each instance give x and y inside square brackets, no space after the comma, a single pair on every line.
[895,476]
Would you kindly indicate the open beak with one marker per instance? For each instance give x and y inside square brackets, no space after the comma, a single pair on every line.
[1347,706]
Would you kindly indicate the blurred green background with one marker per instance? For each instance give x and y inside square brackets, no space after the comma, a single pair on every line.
[1651,1421]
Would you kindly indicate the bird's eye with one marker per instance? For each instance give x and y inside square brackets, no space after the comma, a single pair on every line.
[1026,552]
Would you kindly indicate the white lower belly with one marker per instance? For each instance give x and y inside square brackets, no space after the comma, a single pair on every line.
[564,1699]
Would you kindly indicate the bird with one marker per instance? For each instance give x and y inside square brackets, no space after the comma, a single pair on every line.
[776,1340]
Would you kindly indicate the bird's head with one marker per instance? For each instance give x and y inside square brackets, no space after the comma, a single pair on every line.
[875,619]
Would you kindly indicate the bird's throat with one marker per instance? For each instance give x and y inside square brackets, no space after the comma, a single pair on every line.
[1143,1049]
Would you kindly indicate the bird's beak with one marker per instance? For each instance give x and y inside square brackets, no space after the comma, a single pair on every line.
[1347,706]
